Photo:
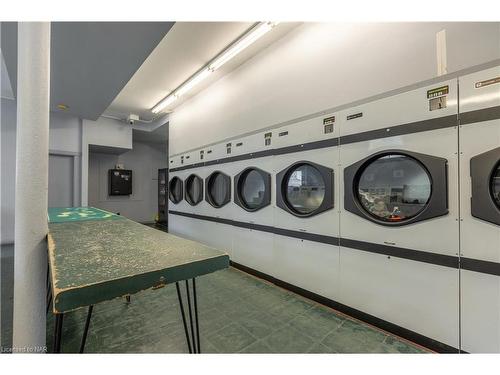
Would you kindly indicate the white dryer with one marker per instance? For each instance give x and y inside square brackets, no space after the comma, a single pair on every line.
[480,210]
[252,195]
[306,216]
[399,210]
[177,195]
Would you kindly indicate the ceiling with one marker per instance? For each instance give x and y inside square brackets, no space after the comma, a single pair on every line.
[118,68]
[186,48]
[90,61]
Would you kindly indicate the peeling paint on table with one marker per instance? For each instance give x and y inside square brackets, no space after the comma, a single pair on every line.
[93,261]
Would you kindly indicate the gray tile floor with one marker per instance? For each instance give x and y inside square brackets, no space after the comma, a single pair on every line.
[238,314]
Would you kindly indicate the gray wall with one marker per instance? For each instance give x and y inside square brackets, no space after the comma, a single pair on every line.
[64,137]
[8,165]
[144,160]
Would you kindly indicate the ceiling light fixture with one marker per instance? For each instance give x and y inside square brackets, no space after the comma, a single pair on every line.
[256,32]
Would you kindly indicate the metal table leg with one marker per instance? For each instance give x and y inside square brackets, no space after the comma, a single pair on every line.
[86,329]
[195,334]
[58,333]
[191,317]
[196,315]
[181,304]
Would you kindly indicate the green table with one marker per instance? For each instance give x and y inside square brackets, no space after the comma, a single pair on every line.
[95,256]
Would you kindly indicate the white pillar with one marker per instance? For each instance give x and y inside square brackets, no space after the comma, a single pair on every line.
[32,159]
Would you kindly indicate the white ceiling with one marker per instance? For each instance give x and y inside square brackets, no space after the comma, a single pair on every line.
[186,48]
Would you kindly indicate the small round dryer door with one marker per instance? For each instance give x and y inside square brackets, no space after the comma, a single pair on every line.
[396,187]
[175,190]
[252,189]
[218,189]
[393,188]
[305,189]
[194,190]
[495,185]
[485,184]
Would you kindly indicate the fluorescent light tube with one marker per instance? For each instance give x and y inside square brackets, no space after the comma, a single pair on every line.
[192,82]
[257,32]
[248,39]
[165,102]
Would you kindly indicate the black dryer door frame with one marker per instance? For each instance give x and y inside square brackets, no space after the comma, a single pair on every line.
[187,182]
[171,196]
[436,168]
[240,179]
[209,181]
[327,175]
[481,171]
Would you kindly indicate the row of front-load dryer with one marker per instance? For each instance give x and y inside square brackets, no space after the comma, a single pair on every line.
[391,207]
[390,187]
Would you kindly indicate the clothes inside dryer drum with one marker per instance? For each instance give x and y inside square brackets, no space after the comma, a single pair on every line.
[394,188]
[253,189]
[305,189]
[219,189]
[495,185]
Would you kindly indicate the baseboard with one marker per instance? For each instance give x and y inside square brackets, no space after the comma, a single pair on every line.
[407,334]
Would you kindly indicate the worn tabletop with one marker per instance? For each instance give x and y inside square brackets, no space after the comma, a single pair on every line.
[100,258]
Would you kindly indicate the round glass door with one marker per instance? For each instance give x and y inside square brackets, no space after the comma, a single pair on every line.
[175,190]
[393,188]
[305,189]
[252,189]
[218,189]
[194,189]
[495,185]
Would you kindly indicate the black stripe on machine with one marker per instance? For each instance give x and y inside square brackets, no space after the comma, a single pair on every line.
[398,252]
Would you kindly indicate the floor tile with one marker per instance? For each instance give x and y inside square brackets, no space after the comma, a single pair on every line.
[237,313]
[289,340]
[231,338]
[258,347]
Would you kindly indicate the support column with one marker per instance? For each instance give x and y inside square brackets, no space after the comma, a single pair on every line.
[32,160]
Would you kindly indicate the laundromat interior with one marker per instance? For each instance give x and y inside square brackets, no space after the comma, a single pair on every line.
[250,187]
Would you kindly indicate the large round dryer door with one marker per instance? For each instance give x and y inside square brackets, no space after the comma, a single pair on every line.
[218,189]
[396,187]
[194,190]
[305,189]
[393,188]
[495,185]
[175,190]
[252,189]
[485,180]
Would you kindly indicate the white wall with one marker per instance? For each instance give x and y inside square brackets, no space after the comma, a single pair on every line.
[103,132]
[64,135]
[320,66]
[144,160]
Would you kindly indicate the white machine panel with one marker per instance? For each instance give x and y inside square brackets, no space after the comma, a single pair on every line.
[254,249]
[310,265]
[439,234]
[418,296]
[480,239]
[326,222]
